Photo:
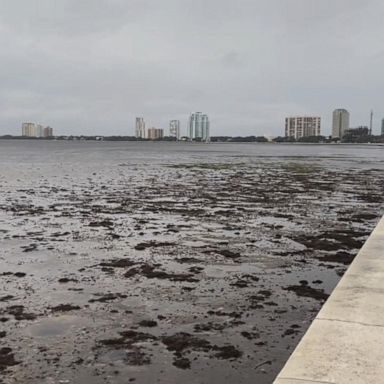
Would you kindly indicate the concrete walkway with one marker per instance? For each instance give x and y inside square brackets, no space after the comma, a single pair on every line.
[345,343]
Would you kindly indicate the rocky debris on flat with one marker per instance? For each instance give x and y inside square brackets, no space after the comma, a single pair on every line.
[64,308]
[205,268]
[7,358]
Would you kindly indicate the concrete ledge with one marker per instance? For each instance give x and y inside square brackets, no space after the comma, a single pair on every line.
[345,343]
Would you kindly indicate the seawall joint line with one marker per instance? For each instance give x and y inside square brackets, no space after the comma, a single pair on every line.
[351,322]
[305,380]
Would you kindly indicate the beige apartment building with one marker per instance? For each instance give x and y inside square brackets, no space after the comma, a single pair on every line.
[35,130]
[302,126]
[28,129]
[155,133]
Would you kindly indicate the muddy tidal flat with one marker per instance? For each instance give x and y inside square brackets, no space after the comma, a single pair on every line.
[173,263]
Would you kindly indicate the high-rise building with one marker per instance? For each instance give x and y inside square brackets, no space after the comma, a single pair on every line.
[205,128]
[174,129]
[39,130]
[371,123]
[28,129]
[47,132]
[35,130]
[302,126]
[155,133]
[198,127]
[340,123]
[140,128]
[382,127]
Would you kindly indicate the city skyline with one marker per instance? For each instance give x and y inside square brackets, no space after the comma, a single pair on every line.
[340,121]
[306,126]
[122,63]
[198,127]
[340,125]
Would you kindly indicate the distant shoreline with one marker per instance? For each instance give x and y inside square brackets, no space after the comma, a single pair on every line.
[110,139]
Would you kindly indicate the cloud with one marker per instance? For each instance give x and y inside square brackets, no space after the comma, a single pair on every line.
[91,66]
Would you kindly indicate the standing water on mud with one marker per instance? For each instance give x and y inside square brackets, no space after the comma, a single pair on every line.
[172,263]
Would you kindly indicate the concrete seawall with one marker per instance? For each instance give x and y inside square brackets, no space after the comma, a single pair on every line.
[345,343]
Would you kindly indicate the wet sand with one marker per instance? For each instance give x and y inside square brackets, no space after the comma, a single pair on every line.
[167,263]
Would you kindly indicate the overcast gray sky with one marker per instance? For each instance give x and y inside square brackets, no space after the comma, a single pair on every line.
[92,66]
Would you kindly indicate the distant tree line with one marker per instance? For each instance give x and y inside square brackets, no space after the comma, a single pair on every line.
[361,135]
[86,138]
[356,135]
[363,139]
[238,139]
[260,139]
[307,139]
[349,137]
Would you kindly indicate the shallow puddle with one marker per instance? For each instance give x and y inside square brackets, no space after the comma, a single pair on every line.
[56,326]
